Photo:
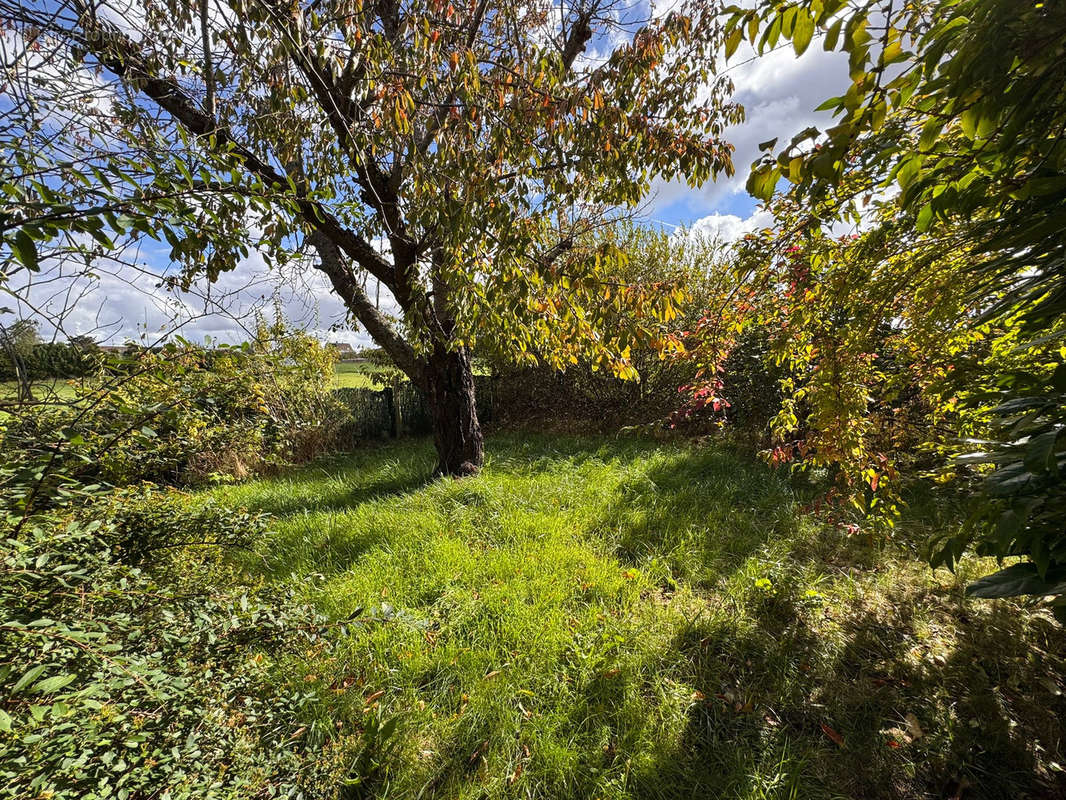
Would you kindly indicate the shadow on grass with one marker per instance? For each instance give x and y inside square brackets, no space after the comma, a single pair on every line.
[774,703]
[930,695]
[342,483]
[700,511]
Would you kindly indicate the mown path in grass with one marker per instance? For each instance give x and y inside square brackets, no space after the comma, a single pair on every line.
[616,618]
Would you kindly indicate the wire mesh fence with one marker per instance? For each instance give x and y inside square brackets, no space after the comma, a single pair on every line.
[402,410]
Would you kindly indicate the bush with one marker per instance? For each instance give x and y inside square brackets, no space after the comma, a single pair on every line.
[125,674]
[751,384]
[592,396]
[686,264]
[183,414]
[77,358]
[136,657]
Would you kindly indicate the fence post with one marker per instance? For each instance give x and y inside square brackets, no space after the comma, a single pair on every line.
[390,406]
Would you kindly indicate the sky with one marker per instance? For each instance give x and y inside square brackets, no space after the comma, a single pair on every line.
[778,91]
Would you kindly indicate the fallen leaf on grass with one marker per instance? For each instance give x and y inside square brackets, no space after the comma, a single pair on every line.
[480,751]
[832,734]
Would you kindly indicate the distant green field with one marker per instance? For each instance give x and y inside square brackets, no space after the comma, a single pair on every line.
[55,388]
[348,375]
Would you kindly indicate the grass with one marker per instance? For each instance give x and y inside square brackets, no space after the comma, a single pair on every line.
[345,375]
[359,375]
[50,389]
[616,618]
[354,375]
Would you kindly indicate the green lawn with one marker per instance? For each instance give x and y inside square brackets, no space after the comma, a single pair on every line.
[615,618]
[50,389]
[345,375]
[352,375]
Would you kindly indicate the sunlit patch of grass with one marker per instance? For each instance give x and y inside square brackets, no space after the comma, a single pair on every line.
[52,389]
[354,375]
[617,618]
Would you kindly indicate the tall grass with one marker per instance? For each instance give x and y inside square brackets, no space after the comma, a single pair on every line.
[615,618]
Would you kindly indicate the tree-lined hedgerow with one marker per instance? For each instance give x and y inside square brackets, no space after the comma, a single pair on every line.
[179,414]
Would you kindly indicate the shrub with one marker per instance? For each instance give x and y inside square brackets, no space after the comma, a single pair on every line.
[77,358]
[123,677]
[685,266]
[183,414]
[751,383]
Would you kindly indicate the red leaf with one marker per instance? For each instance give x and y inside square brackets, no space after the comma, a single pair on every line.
[832,734]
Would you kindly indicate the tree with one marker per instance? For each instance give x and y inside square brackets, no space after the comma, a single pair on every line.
[17,341]
[961,106]
[461,156]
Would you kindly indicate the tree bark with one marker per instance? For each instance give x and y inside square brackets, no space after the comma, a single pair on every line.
[446,378]
[449,390]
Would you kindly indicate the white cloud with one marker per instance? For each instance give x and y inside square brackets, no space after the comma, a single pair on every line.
[729,227]
[122,298]
[779,93]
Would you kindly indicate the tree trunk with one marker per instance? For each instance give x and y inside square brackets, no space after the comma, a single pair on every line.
[449,388]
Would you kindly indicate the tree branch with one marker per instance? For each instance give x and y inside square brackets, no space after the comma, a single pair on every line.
[119,55]
[331,262]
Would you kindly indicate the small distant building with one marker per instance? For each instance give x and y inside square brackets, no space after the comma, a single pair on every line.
[345,352]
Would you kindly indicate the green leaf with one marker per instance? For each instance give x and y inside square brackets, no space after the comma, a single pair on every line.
[908,171]
[824,166]
[1017,580]
[25,250]
[803,31]
[925,218]
[55,683]
[930,133]
[1058,378]
[733,41]
[1040,453]
[28,677]
[389,728]
[763,181]
[832,36]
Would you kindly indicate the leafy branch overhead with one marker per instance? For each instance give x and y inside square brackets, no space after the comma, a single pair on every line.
[443,150]
[953,127]
[464,157]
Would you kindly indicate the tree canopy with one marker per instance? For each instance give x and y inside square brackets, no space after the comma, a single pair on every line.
[459,155]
